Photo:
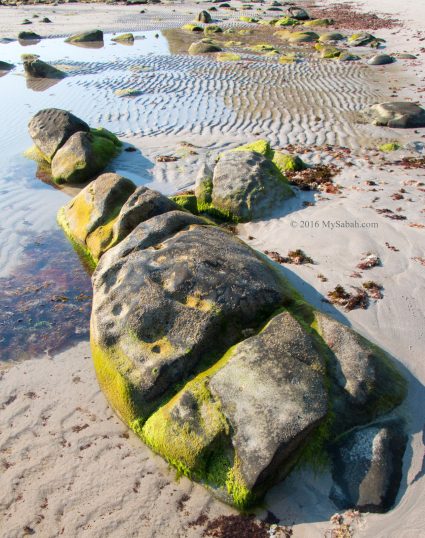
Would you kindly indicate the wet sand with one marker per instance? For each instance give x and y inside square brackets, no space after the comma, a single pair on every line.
[57,433]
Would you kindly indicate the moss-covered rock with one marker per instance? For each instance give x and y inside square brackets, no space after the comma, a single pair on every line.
[190,27]
[84,155]
[297,37]
[389,146]
[248,19]
[361,39]
[264,47]
[125,38]
[187,202]
[288,163]
[287,21]
[213,29]
[36,68]
[331,36]
[228,57]
[86,37]
[200,47]
[318,22]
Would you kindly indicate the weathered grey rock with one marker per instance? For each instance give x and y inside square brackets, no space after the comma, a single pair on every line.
[331,36]
[201,47]
[367,467]
[271,391]
[50,129]
[83,156]
[381,59]
[398,114]
[158,311]
[142,205]
[86,37]
[88,218]
[405,56]
[298,13]
[365,382]
[36,68]
[362,39]
[268,391]
[247,185]
[204,17]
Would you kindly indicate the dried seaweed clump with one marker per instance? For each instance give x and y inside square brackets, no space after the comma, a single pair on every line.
[350,301]
[373,289]
[296,257]
[316,178]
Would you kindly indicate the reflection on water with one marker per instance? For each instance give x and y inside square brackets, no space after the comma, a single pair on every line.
[87,44]
[45,301]
[41,84]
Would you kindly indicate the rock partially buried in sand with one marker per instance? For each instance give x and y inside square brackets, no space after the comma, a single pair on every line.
[278,378]
[298,13]
[397,114]
[363,38]
[75,152]
[331,36]
[86,37]
[201,47]
[36,68]
[192,28]
[50,129]
[381,59]
[204,17]
[367,467]
[172,294]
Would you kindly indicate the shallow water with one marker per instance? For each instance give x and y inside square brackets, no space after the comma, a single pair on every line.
[311,102]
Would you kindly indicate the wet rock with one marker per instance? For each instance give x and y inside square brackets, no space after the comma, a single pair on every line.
[83,156]
[86,37]
[252,411]
[5,66]
[381,59]
[201,47]
[28,36]
[129,37]
[36,68]
[161,304]
[397,114]
[366,384]
[204,17]
[298,13]
[367,467]
[212,29]
[50,129]
[46,20]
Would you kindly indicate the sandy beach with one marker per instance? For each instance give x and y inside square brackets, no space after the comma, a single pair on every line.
[68,466]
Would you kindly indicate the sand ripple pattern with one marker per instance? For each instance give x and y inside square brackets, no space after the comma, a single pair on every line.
[313,102]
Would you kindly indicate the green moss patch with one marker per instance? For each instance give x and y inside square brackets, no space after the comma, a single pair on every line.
[389,146]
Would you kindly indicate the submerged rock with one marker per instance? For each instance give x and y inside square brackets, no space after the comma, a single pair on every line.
[86,37]
[36,68]
[398,114]
[268,390]
[367,467]
[381,59]
[50,129]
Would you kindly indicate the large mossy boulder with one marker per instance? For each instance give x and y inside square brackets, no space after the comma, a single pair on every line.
[168,303]
[36,68]
[247,415]
[397,114]
[83,156]
[107,210]
[207,353]
[50,129]
[367,466]
[247,182]
[74,152]
[91,36]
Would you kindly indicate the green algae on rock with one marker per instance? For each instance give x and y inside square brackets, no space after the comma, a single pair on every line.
[86,37]
[201,47]
[124,37]
[36,68]
[192,27]
[74,152]
[389,146]
[228,57]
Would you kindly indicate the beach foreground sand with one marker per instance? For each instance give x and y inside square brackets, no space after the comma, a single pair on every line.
[69,467]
